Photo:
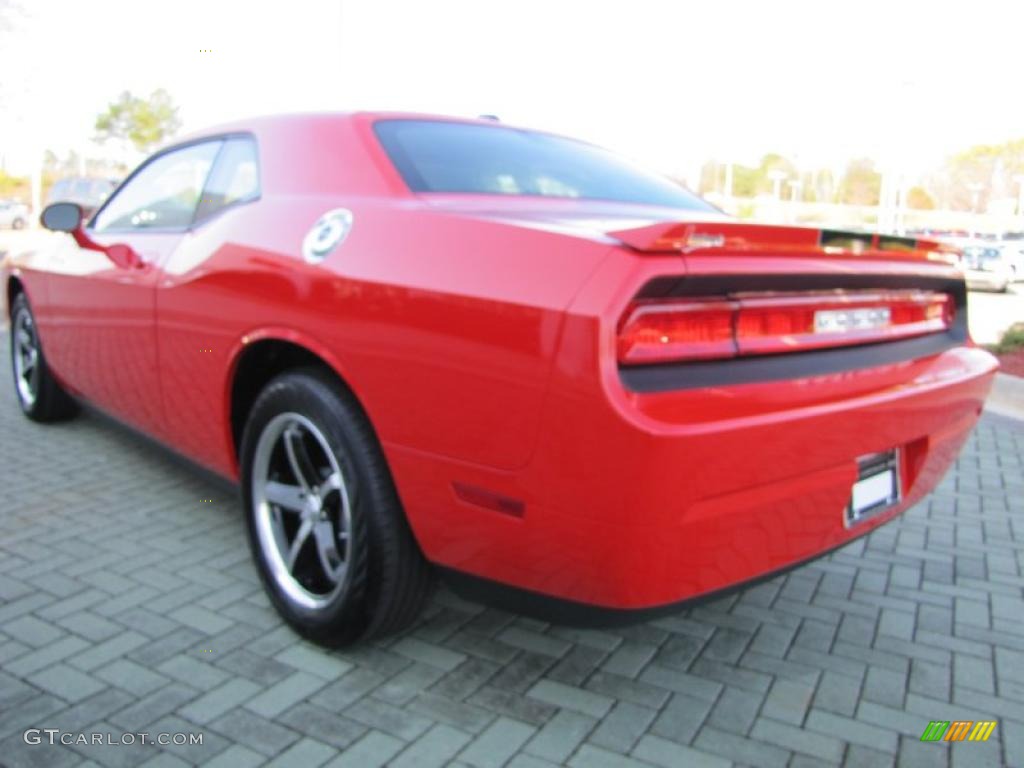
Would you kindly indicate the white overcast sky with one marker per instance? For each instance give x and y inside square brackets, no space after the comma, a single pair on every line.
[669,82]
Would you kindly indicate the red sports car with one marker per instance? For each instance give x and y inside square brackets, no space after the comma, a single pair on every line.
[425,344]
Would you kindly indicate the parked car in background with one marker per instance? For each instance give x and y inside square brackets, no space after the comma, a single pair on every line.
[986,266]
[88,193]
[561,380]
[13,214]
[1013,255]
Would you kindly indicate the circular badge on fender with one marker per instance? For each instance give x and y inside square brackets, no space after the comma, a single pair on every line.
[328,232]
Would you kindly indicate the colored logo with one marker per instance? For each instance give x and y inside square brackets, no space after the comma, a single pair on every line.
[958,730]
[329,230]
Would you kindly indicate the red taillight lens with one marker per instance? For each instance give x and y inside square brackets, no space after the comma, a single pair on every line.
[680,331]
[757,324]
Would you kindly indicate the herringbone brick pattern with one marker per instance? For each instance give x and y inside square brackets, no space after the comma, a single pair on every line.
[127,604]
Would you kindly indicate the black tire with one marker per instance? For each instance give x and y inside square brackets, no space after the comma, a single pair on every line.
[387,579]
[18,224]
[44,400]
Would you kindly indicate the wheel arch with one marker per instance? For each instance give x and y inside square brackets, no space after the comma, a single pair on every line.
[262,355]
[13,288]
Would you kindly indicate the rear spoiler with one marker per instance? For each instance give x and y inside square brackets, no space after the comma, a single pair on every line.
[675,237]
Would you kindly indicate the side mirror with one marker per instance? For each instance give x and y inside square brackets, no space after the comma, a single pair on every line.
[68,217]
[62,217]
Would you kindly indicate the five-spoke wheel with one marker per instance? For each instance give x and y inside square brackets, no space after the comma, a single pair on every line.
[327,531]
[26,356]
[303,510]
[39,394]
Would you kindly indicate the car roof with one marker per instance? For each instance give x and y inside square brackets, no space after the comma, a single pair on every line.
[323,152]
[298,119]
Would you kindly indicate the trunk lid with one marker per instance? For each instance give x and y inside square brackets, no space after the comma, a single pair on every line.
[650,229]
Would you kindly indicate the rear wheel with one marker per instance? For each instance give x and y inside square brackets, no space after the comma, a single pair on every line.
[326,528]
[39,395]
[18,224]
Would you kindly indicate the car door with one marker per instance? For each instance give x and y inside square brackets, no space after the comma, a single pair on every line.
[198,323]
[102,335]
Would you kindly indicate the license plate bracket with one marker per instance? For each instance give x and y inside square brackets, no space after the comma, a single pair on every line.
[877,487]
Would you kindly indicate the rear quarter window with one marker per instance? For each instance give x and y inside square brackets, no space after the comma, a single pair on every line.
[235,178]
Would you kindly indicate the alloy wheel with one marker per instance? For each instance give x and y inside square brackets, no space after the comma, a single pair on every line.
[26,357]
[302,510]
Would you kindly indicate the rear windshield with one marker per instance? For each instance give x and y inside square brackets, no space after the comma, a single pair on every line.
[439,156]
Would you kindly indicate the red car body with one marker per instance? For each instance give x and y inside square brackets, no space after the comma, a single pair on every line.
[479,334]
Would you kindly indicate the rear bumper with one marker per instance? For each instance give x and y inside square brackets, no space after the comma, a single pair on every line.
[633,502]
[568,612]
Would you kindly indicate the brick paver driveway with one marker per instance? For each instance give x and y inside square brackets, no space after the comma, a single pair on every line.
[128,604]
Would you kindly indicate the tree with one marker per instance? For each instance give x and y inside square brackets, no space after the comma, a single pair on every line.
[983,172]
[861,184]
[713,179]
[143,122]
[821,186]
[747,181]
[66,166]
[920,199]
[17,187]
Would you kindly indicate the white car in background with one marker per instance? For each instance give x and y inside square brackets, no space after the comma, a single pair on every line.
[1013,255]
[986,266]
[13,215]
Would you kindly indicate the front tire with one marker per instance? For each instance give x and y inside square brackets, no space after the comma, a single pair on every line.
[326,528]
[40,396]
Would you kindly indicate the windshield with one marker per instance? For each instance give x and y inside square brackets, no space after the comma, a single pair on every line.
[441,156]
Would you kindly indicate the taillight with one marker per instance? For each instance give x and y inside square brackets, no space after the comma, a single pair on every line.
[680,331]
[757,324]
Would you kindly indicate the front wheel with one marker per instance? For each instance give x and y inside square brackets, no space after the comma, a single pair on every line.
[326,529]
[40,396]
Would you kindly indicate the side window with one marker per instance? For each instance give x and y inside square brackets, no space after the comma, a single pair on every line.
[235,178]
[164,194]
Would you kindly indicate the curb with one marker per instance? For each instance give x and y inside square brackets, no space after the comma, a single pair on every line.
[1007,397]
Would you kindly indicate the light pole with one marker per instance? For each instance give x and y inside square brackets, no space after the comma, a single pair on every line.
[36,183]
[975,190]
[776,177]
[794,193]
